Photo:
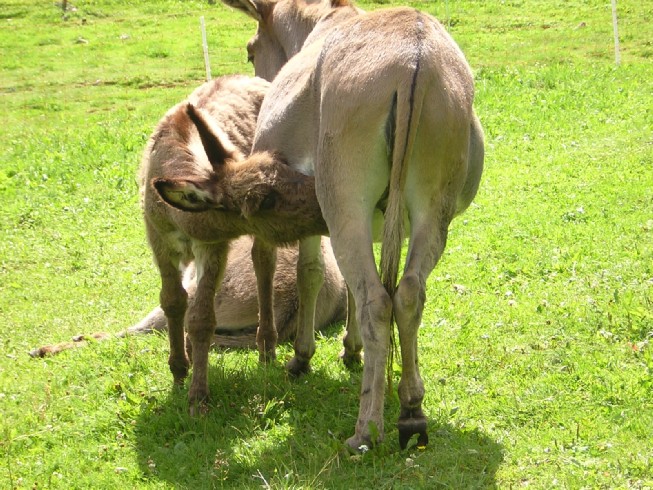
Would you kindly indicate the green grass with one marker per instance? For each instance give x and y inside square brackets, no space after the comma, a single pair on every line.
[536,340]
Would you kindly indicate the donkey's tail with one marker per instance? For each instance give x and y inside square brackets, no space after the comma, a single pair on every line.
[407,106]
[407,112]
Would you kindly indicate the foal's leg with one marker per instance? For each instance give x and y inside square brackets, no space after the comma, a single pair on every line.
[210,261]
[352,341]
[310,278]
[264,258]
[173,300]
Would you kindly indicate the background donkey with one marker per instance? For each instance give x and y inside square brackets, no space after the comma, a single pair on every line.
[236,303]
[388,130]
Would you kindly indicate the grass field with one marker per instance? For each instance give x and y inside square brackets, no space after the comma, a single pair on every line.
[536,341]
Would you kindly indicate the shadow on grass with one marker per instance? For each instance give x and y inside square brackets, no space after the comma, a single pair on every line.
[266,430]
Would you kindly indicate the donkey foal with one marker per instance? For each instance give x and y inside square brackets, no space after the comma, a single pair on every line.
[199,141]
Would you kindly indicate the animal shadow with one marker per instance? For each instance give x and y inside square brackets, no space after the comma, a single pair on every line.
[266,429]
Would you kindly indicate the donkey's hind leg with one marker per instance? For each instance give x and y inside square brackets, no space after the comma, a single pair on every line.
[408,304]
[427,241]
[373,308]
[348,191]
[352,341]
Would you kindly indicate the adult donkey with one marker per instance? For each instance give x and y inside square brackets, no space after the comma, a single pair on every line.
[378,106]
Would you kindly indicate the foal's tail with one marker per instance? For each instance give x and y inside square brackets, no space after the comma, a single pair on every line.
[406,111]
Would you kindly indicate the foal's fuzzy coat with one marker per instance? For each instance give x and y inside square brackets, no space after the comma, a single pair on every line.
[202,140]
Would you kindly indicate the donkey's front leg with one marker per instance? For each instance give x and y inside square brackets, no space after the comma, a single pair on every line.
[264,258]
[310,278]
[210,261]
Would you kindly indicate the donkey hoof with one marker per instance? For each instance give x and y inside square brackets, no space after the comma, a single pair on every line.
[198,405]
[266,357]
[411,423]
[351,360]
[179,370]
[357,444]
[296,367]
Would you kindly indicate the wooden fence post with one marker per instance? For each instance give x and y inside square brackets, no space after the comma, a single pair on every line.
[617,53]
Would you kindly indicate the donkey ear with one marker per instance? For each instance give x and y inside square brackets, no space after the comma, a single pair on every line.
[217,146]
[256,9]
[186,195]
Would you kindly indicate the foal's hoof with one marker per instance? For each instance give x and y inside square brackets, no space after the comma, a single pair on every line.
[266,357]
[351,360]
[179,367]
[412,422]
[267,346]
[41,351]
[296,367]
[197,409]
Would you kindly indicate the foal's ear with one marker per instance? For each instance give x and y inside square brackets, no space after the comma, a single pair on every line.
[186,195]
[256,9]
[216,144]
